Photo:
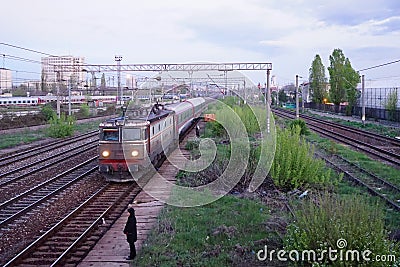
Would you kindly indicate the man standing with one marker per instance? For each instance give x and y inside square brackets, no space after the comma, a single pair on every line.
[131,233]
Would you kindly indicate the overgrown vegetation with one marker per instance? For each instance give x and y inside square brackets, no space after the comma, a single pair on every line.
[182,237]
[301,124]
[84,111]
[48,112]
[223,233]
[61,127]
[294,165]
[324,222]
[253,118]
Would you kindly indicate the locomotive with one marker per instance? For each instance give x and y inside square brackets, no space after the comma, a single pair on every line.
[130,144]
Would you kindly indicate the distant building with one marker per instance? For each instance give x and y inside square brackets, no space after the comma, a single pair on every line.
[305,92]
[63,68]
[5,80]
[36,85]
[274,84]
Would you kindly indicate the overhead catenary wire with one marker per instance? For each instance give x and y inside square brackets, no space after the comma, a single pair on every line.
[27,49]
[380,65]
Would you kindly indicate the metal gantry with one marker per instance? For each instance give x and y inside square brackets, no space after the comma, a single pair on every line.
[189,67]
[173,67]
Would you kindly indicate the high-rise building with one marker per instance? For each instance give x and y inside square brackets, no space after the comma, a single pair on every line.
[63,68]
[5,80]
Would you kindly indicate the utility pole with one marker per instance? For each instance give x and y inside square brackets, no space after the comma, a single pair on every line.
[118,60]
[69,96]
[58,94]
[268,104]
[363,99]
[302,97]
[244,89]
[297,97]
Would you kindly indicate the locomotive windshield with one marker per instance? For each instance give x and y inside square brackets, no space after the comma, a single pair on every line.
[109,135]
[131,134]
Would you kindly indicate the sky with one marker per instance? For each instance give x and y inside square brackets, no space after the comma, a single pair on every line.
[286,33]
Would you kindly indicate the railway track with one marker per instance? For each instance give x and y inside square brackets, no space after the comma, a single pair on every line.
[15,182]
[79,230]
[44,193]
[68,241]
[378,146]
[12,158]
[375,185]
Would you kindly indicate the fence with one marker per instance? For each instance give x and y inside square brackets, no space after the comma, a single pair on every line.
[374,113]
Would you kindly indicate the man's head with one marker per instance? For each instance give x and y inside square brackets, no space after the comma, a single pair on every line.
[131,210]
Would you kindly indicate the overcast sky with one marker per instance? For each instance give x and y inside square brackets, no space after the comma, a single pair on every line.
[287,33]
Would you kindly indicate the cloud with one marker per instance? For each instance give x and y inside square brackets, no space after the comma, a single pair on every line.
[287,33]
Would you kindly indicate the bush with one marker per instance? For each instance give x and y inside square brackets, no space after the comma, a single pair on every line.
[217,130]
[84,111]
[252,118]
[294,165]
[321,222]
[48,112]
[61,127]
[299,123]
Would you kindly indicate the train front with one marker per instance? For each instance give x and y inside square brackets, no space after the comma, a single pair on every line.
[122,149]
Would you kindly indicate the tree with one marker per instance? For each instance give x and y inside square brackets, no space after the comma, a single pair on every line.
[43,82]
[337,92]
[343,79]
[391,104]
[352,78]
[317,80]
[103,83]
[282,97]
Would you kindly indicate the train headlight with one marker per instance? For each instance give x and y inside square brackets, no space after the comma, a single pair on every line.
[135,153]
[105,153]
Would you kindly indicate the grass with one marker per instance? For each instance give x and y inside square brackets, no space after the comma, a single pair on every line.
[320,222]
[380,169]
[230,231]
[218,234]
[373,127]
[29,136]
[391,217]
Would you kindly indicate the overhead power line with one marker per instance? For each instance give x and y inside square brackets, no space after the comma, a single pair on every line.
[381,65]
[20,59]
[26,49]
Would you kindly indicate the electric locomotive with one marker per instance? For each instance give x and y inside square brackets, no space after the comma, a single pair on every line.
[131,143]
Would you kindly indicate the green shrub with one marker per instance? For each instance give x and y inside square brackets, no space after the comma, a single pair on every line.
[216,129]
[61,127]
[321,222]
[48,112]
[191,145]
[294,165]
[249,118]
[84,111]
[252,118]
[299,123]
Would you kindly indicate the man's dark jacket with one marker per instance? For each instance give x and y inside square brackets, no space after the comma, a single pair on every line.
[130,227]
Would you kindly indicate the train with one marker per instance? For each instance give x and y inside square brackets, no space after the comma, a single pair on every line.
[41,100]
[129,144]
